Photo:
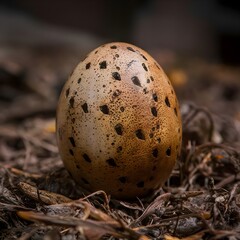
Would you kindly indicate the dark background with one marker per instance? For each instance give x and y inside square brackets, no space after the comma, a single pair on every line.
[196,28]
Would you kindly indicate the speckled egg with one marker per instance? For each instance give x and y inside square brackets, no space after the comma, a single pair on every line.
[118,122]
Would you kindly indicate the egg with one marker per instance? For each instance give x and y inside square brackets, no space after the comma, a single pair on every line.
[118,122]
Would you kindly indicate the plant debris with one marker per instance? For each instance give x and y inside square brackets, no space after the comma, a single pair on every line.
[39,200]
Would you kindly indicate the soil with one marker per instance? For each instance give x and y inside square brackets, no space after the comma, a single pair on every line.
[38,198]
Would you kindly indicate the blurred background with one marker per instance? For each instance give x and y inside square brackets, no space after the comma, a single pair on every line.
[196,28]
[195,41]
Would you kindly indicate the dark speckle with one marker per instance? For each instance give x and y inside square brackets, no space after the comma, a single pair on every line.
[155,152]
[144,57]
[152,78]
[67,92]
[88,65]
[86,158]
[104,109]
[119,149]
[144,66]
[130,49]
[136,81]
[154,111]
[71,139]
[116,93]
[111,162]
[103,65]
[116,76]
[113,47]
[122,109]
[151,178]
[167,102]
[85,107]
[71,102]
[123,179]
[84,180]
[140,135]
[140,184]
[168,151]
[155,97]
[175,111]
[71,152]
[148,80]
[130,63]
[79,80]
[145,90]
[119,129]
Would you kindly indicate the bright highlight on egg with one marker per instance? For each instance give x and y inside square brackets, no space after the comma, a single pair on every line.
[118,122]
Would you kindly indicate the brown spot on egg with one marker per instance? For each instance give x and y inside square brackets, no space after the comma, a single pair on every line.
[131,49]
[167,102]
[104,109]
[168,152]
[67,92]
[71,102]
[119,129]
[116,76]
[116,93]
[85,107]
[119,149]
[103,65]
[151,178]
[140,184]
[85,181]
[72,141]
[155,152]
[86,158]
[155,97]
[140,135]
[111,162]
[154,111]
[144,57]
[88,65]
[136,81]
[175,111]
[71,152]
[123,179]
[144,67]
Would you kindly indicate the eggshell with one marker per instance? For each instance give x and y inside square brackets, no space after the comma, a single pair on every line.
[118,122]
